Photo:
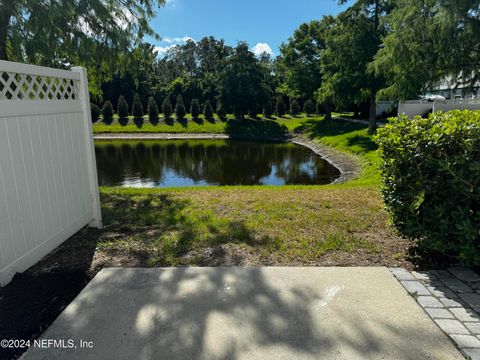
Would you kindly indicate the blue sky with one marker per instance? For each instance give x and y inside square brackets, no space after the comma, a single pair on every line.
[264,24]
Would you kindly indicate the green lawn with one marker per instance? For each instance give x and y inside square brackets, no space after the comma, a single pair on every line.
[187,125]
[351,138]
[170,126]
[341,224]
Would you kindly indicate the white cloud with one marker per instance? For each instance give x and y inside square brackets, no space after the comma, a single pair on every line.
[176,40]
[162,50]
[261,48]
[168,43]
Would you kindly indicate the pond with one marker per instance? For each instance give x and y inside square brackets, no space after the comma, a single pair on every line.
[179,163]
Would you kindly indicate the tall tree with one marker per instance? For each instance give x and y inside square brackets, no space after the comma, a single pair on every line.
[242,84]
[431,41]
[299,64]
[57,33]
[351,45]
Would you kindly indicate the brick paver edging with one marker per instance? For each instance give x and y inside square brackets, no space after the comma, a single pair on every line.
[452,299]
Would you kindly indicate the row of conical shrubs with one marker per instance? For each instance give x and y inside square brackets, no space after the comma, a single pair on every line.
[195,109]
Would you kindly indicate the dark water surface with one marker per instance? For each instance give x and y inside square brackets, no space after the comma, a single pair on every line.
[169,163]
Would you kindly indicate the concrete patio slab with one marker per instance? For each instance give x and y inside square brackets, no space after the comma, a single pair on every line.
[246,313]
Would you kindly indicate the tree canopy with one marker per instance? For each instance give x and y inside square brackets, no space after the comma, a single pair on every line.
[299,64]
[430,41]
[91,33]
[242,81]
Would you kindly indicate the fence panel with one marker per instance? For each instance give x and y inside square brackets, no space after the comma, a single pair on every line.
[48,179]
[460,104]
[413,108]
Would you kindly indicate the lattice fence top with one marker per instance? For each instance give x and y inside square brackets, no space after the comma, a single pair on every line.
[16,86]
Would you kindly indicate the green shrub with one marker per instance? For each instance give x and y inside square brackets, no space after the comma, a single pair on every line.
[152,109]
[308,107]
[107,111]
[294,107]
[122,107]
[180,111]
[280,107]
[137,107]
[431,181]
[95,112]
[167,108]
[208,110]
[221,112]
[195,108]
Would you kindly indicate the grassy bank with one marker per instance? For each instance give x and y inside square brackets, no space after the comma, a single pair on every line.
[348,137]
[260,225]
[186,125]
[342,224]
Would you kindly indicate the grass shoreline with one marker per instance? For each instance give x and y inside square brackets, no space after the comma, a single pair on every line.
[335,224]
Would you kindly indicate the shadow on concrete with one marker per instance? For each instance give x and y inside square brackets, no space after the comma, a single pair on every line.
[231,313]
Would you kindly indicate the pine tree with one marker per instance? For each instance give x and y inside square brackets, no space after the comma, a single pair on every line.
[294,107]
[308,107]
[267,110]
[122,107]
[107,111]
[95,112]
[137,108]
[152,109]
[280,107]
[180,111]
[207,110]
[252,112]
[221,111]
[167,108]
[195,108]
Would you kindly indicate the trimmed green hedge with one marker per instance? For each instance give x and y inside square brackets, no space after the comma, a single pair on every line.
[431,181]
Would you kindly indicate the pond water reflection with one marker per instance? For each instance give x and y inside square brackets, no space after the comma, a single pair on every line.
[172,163]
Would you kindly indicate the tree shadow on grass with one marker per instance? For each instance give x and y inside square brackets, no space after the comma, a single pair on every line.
[123,121]
[169,121]
[107,121]
[138,121]
[317,129]
[154,120]
[256,130]
[198,121]
[363,141]
[183,121]
[171,232]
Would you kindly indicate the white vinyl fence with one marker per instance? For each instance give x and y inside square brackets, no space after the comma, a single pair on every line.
[384,107]
[421,107]
[48,176]
[413,108]
[460,104]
